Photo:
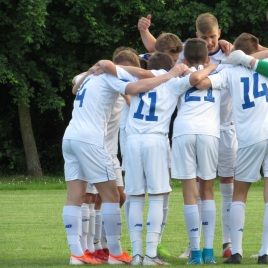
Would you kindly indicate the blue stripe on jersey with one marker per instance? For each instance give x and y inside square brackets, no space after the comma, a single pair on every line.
[124,80]
[213,53]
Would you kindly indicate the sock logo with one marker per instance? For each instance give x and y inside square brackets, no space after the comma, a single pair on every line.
[194,229]
[204,222]
[68,226]
[241,230]
[138,225]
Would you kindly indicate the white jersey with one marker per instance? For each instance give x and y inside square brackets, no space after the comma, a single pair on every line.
[92,108]
[111,139]
[249,98]
[226,113]
[198,113]
[150,113]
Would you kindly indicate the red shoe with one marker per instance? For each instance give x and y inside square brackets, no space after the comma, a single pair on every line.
[227,250]
[124,258]
[79,260]
[100,254]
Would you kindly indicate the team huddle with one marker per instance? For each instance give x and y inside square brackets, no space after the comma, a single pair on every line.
[221,101]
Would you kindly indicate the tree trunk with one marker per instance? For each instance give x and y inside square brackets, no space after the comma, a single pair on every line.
[31,154]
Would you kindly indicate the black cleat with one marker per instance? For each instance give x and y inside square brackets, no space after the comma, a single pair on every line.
[234,259]
[263,259]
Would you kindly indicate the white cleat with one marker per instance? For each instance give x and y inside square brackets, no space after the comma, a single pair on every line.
[137,260]
[153,261]
[186,253]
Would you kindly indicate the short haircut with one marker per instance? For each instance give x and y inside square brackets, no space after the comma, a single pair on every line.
[160,60]
[127,56]
[168,43]
[206,22]
[195,51]
[246,42]
[121,48]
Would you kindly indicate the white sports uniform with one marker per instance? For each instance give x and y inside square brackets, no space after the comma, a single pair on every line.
[146,152]
[196,133]
[249,98]
[228,141]
[84,151]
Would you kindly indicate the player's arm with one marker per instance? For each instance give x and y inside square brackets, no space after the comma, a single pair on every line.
[138,72]
[147,38]
[147,84]
[127,98]
[198,76]
[78,80]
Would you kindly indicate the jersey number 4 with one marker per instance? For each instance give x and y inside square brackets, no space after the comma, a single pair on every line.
[151,116]
[256,93]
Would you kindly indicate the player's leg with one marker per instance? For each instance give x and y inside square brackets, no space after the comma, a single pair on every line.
[248,165]
[207,159]
[72,214]
[183,166]
[226,161]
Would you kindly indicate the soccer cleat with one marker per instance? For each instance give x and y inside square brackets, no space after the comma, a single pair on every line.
[153,261]
[208,256]
[186,253]
[101,255]
[234,259]
[162,251]
[263,259]
[137,260]
[195,257]
[84,259]
[124,258]
[226,250]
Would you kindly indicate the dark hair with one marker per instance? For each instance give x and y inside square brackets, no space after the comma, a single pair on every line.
[246,42]
[159,61]
[195,51]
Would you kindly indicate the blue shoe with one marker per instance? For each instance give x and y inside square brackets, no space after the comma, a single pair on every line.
[208,256]
[195,257]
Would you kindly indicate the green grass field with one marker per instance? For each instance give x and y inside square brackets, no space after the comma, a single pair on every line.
[32,233]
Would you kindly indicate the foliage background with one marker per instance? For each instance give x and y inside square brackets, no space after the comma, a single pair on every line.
[46,42]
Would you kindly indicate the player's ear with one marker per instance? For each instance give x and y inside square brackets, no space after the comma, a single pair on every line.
[186,62]
[219,32]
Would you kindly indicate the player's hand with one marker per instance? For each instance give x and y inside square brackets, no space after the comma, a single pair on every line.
[238,57]
[178,70]
[225,46]
[144,23]
[98,68]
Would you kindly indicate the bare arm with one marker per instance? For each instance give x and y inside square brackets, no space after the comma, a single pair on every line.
[77,81]
[204,84]
[148,39]
[138,72]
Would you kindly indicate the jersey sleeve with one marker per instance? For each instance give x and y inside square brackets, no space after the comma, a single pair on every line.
[180,85]
[116,84]
[124,75]
[219,80]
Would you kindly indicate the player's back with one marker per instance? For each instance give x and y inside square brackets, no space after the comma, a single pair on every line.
[198,112]
[92,108]
[150,113]
[249,92]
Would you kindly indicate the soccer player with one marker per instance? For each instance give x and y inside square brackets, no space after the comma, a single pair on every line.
[207,28]
[249,100]
[86,159]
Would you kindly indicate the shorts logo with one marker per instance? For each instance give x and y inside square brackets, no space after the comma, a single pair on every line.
[68,226]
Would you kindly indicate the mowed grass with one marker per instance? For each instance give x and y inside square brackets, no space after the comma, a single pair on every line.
[32,233]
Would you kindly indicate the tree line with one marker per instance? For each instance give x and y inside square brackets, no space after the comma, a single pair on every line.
[46,42]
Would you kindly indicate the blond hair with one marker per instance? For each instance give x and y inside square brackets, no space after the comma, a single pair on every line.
[206,22]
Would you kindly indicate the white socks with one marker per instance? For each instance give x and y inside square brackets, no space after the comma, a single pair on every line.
[237,220]
[72,218]
[154,224]
[85,225]
[208,216]
[98,230]
[226,200]
[165,214]
[192,221]
[264,247]
[112,225]
[135,222]
[91,229]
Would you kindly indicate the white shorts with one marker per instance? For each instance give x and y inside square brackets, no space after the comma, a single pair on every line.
[146,163]
[122,142]
[227,152]
[91,189]
[86,162]
[117,170]
[249,161]
[194,156]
